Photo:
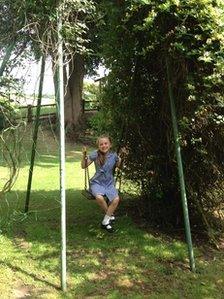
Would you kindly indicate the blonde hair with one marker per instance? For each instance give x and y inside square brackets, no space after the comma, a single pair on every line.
[101,137]
[101,158]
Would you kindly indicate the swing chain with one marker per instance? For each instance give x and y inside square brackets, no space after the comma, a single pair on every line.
[86,170]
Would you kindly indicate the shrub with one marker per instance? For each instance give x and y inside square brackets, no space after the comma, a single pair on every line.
[189,34]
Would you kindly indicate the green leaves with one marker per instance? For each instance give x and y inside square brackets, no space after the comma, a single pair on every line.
[141,35]
[36,22]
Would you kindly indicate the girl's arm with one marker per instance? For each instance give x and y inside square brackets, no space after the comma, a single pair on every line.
[118,164]
[85,162]
[121,155]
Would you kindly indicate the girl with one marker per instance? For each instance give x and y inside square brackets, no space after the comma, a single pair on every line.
[102,183]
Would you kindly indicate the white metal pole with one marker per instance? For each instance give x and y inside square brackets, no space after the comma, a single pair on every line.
[62,153]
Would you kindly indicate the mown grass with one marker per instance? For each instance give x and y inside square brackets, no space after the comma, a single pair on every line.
[131,263]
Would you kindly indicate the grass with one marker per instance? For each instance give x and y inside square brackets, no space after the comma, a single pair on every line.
[131,263]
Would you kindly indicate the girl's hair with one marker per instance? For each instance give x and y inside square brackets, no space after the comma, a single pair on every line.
[101,157]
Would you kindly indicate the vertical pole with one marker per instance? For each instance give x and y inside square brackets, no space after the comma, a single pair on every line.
[35,133]
[29,113]
[181,173]
[6,58]
[62,153]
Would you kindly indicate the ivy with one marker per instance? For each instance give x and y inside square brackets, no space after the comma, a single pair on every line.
[143,34]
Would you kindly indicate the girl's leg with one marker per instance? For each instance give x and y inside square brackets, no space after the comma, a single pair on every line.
[108,211]
[113,205]
[102,203]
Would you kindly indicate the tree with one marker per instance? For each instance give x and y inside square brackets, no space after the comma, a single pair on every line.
[143,35]
[31,26]
[36,23]
[84,57]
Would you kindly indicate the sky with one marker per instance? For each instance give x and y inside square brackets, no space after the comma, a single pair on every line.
[32,73]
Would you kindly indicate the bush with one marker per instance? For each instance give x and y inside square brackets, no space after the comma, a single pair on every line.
[7,114]
[188,34]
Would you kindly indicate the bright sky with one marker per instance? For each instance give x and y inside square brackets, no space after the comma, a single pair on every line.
[32,73]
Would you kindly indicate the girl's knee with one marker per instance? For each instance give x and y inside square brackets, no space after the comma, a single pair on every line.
[116,200]
[99,197]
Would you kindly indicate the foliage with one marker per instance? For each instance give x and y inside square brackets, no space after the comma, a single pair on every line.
[37,25]
[144,36]
[29,28]
[91,95]
[33,24]
[10,144]
[7,114]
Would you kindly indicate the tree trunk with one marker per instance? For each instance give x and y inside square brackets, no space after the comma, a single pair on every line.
[73,92]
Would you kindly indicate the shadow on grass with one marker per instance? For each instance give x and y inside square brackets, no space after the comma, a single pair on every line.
[35,277]
[48,160]
[125,261]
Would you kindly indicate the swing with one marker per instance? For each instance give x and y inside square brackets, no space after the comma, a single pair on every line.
[86,193]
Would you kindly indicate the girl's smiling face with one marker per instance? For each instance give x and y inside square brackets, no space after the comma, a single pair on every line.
[104,144]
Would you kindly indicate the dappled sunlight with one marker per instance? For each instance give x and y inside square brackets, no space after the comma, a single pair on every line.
[169,251]
[125,281]
[129,262]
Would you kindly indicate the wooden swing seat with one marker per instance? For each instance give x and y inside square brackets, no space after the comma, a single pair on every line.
[87,194]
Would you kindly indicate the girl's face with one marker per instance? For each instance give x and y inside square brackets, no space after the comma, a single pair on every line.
[104,145]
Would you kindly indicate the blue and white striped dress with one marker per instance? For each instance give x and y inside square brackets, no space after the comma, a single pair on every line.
[103,182]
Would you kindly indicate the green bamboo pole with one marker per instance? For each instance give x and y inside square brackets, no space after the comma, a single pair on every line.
[181,173]
[6,58]
[62,153]
[35,133]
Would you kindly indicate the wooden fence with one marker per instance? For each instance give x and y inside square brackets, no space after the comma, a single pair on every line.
[30,115]
[87,106]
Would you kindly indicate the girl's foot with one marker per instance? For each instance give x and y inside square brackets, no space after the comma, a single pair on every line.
[107,227]
[112,218]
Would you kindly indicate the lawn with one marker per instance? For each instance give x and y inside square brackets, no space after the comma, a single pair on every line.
[131,263]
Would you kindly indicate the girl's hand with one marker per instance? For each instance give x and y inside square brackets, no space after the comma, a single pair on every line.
[123,152]
[84,151]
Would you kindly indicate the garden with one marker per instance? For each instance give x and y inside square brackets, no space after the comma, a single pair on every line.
[161,102]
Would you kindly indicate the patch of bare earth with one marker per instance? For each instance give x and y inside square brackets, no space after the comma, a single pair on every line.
[27,291]
[22,292]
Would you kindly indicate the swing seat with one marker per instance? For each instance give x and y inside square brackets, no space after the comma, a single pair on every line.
[87,194]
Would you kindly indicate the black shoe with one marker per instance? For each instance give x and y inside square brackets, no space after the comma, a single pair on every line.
[107,227]
[112,219]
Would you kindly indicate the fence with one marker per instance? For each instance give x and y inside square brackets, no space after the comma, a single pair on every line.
[87,106]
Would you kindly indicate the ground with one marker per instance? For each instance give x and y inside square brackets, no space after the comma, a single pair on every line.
[137,261]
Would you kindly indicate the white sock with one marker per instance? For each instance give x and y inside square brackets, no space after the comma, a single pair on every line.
[112,217]
[106,220]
